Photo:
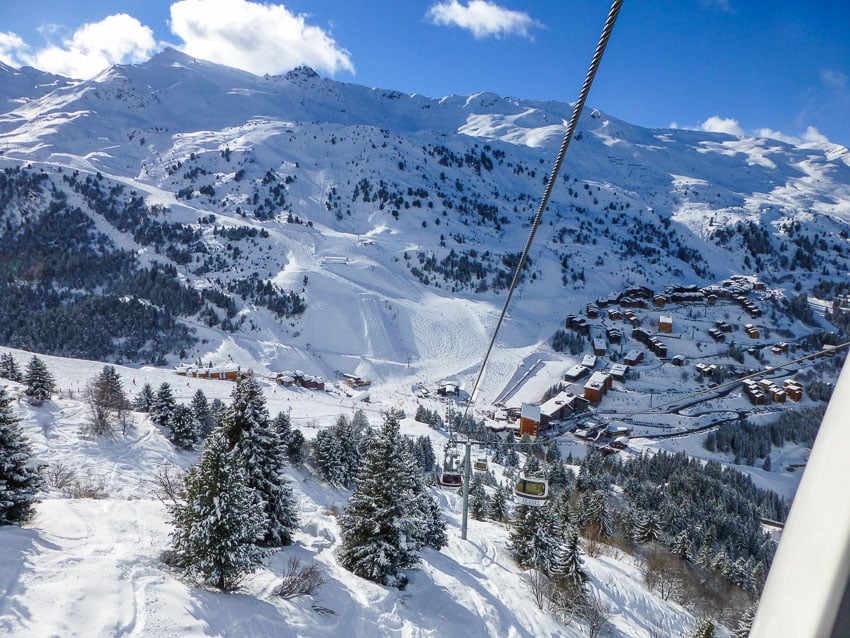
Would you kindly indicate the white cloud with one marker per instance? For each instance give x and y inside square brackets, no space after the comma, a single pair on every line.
[11,48]
[116,39]
[260,38]
[482,18]
[717,124]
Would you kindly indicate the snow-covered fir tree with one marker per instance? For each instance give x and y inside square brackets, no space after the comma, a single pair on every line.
[204,421]
[705,629]
[479,502]
[745,622]
[143,401]
[162,405]
[9,368]
[219,523]
[567,561]
[390,516]
[499,510]
[336,453]
[19,482]
[183,428]
[534,538]
[107,403]
[38,380]
[258,447]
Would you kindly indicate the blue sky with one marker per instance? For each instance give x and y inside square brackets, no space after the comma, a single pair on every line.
[741,66]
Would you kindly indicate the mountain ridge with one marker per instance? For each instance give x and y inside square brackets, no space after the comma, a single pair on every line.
[411,202]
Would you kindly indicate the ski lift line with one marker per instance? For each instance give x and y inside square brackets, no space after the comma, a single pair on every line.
[571,126]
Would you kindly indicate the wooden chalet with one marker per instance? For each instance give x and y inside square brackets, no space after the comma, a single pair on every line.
[576,372]
[600,347]
[596,387]
[529,420]
[633,357]
[226,372]
[353,381]
[561,406]
[665,324]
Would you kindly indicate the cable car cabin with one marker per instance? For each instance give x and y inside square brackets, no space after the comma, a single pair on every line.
[531,491]
[451,476]
[480,465]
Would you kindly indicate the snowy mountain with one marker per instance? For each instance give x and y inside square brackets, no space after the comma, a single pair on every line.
[182,211]
[330,226]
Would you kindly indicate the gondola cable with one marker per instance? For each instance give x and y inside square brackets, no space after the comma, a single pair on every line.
[568,135]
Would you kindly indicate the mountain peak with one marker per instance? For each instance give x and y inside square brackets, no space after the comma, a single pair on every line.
[301,72]
[169,56]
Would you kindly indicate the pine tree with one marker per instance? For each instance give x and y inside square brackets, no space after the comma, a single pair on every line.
[745,622]
[204,421]
[646,528]
[183,428]
[9,368]
[479,502]
[567,561]
[704,629]
[143,401]
[327,456]
[40,383]
[384,524]
[499,506]
[533,538]
[218,526]
[18,481]
[162,405]
[256,444]
[107,403]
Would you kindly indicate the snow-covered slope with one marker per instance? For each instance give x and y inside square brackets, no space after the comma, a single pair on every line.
[363,196]
[91,567]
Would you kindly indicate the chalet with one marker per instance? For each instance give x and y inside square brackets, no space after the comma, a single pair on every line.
[759,285]
[752,331]
[448,387]
[723,326]
[562,405]
[665,324]
[716,334]
[793,390]
[353,381]
[678,360]
[615,314]
[711,299]
[633,357]
[619,371]
[640,335]
[614,335]
[658,348]
[620,443]
[310,382]
[569,322]
[529,420]
[632,319]
[613,430]
[285,379]
[589,361]
[596,387]
[659,301]
[592,311]
[600,348]
[639,292]
[226,372]
[576,372]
